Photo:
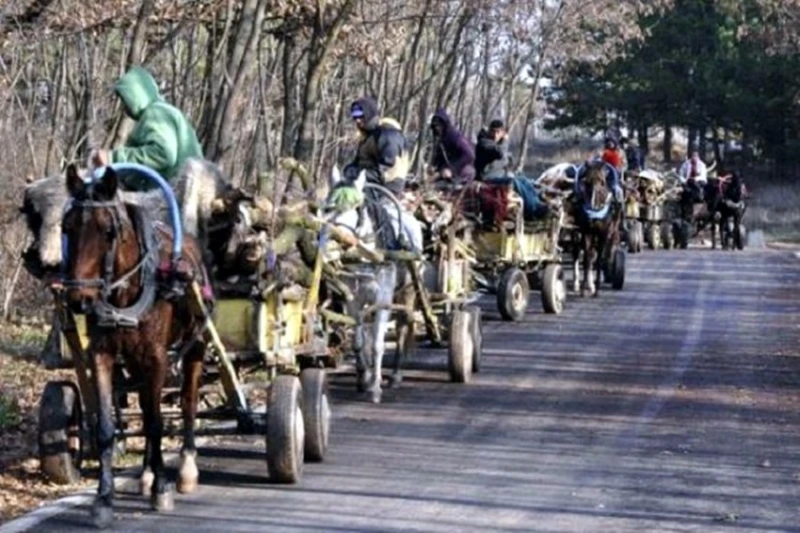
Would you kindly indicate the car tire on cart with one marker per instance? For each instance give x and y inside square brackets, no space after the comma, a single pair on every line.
[653,236]
[512,294]
[618,270]
[60,432]
[476,332]
[285,430]
[635,237]
[316,413]
[459,348]
[554,290]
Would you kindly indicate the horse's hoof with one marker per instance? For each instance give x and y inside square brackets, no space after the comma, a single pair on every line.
[146,483]
[163,502]
[375,395]
[595,294]
[187,485]
[395,380]
[188,473]
[102,515]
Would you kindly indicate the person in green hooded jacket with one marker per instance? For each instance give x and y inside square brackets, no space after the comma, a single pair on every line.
[163,139]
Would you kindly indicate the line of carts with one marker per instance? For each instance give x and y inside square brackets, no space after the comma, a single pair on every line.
[270,346]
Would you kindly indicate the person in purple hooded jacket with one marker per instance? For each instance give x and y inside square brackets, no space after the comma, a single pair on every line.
[453,156]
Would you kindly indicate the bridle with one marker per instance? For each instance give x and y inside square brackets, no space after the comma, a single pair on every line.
[106,313]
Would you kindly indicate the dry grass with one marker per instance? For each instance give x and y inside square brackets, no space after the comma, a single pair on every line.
[774,208]
[22,487]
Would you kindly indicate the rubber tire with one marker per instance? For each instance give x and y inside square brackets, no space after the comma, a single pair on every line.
[634,244]
[653,237]
[618,270]
[60,415]
[667,237]
[459,348]
[476,331]
[285,430]
[554,290]
[511,278]
[316,413]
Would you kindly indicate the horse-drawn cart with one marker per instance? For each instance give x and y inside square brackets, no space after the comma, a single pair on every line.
[516,254]
[445,287]
[650,208]
[264,368]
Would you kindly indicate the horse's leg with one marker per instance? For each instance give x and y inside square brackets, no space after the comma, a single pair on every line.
[601,259]
[715,222]
[161,498]
[588,262]
[576,264]
[147,478]
[387,281]
[102,510]
[193,369]
[405,335]
[359,347]
[380,326]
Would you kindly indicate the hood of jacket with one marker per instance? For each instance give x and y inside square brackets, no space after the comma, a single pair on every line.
[137,89]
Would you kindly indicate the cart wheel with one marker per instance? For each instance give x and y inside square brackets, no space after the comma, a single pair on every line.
[667,237]
[476,331]
[316,413]
[554,291]
[635,237]
[653,236]
[459,349]
[60,427]
[512,294]
[285,430]
[618,270]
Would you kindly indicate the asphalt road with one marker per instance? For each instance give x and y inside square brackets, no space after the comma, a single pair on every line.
[670,406]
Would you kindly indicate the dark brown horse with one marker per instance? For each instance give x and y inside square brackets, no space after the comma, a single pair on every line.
[135,309]
[598,219]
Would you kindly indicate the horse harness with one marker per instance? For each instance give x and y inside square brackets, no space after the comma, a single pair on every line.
[107,314]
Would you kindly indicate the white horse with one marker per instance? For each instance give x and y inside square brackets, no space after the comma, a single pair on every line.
[376,286]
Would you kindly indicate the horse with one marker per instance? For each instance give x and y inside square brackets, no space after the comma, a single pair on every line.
[115,273]
[725,198]
[598,221]
[376,286]
[719,202]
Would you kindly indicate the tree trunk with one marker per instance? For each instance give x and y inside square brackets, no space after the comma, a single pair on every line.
[667,147]
[321,47]
[240,63]
[124,125]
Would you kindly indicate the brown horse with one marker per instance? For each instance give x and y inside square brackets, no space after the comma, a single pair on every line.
[135,309]
[598,219]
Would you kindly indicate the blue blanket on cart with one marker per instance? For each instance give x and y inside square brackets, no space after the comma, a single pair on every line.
[533,206]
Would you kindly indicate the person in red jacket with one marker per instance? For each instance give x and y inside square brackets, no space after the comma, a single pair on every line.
[612,154]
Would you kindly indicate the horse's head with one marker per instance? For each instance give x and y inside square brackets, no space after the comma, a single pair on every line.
[97,241]
[345,201]
[230,228]
[594,185]
[734,189]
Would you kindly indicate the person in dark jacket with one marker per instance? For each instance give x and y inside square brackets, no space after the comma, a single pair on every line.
[382,151]
[633,155]
[453,156]
[492,157]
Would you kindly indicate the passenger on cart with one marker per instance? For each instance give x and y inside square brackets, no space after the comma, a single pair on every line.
[383,155]
[453,157]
